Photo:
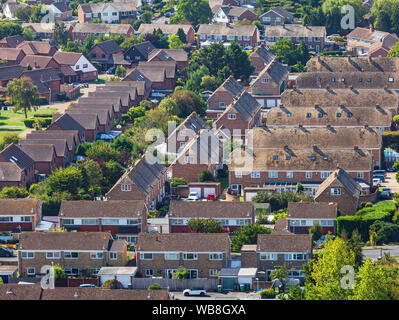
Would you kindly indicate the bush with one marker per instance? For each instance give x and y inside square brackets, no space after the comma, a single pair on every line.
[178,182]
[267,293]
[13,193]
[29,122]
[155,286]
[112,284]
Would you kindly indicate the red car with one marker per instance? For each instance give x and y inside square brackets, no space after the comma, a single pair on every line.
[211,196]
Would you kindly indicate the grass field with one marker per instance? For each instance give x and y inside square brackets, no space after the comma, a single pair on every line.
[13,122]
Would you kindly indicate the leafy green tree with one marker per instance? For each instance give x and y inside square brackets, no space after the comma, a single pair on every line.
[355,244]
[182,35]
[178,181]
[22,94]
[158,39]
[394,53]
[194,11]
[175,42]
[69,179]
[60,34]
[209,83]
[28,34]
[13,193]
[385,14]
[136,112]
[82,148]
[325,283]
[206,176]
[146,17]
[332,11]
[10,29]
[94,174]
[303,53]
[187,102]
[113,171]
[281,273]
[59,272]
[8,138]
[181,273]
[155,286]
[205,225]
[316,231]
[120,71]
[285,51]
[102,151]
[238,62]
[170,106]
[247,234]
[123,142]
[131,41]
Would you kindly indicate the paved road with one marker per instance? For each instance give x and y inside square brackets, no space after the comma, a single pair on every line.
[393,250]
[390,182]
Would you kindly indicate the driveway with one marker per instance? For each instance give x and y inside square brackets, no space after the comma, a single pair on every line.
[390,182]
[375,252]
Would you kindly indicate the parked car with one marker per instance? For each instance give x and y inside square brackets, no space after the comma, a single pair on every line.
[211,196]
[193,196]
[88,285]
[377,182]
[6,252]
[390,169]
[379,172]
[378,176]
[195,291]
[386,193]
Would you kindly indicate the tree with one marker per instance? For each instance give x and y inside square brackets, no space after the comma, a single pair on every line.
[131,41]
[394,53]
[316,231]
[59,272]
[13,193]
[60,34]
[332,12]
[146,17]
[205,225]
[154,286]
[194,11]
[175,42]
[28,34]
[209,83]
[285,51]
[68,180]
[178,181]
[158,39]
[22,94]
[113,171]
[10,29]
[8,138]
[123,142]
[325,282]
[238,62]
[247,234]
[137,112]
[169,106]
[102,151]
[206,176]
[94,174]
[181,273]
[120,71]
[355,245]
[182,35]
[303,55]
[281,273]
[187,102]
[372,283]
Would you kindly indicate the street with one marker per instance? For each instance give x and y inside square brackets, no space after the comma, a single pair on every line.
[369,252]
[390,182]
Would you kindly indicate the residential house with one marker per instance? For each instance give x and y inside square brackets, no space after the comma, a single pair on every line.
[342,189]
[108,54]
[106,123]
[314,37]
[222,97]
[139,52]
[232,14]
[261,57]
[112,102]
[184,132]
[168,29]
[12,41]
[40,48]
[105,106]
[134,78]
[24,174]
[75,67]
[44,156]
[301,216]
[61,10]
[204,152]
[10,7]
[12,56]
[76,252]
[364,98]
[82,30]
[9,73]
[126,98]
[268,86]
[19,215]
[144,180]
[240,116]
[123,219]
[203,255]
[276,16]
[33,62]
[143,87]
[129,95]
[276,250]
[89,122]
[47,81]
[178,55]
[336,117]
[231,215]
[61,148]
[364,41]
[245,35]
[67,123]
[45,31]
[153,70]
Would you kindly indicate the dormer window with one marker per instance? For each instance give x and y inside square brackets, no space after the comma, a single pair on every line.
[288,157]
[288,114]
[325,158]
[265,80]
[369,80]
[313,157]
[360,79]
[332,79]
[231,116]
[318,79]
[308,115]
[390,79]
[343,79]
[350,114]
[338,115]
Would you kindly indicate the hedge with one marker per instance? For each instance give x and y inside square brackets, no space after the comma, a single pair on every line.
[390,139]
[364,218]
[44,122]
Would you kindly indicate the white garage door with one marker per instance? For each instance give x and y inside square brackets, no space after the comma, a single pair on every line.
[249,196]
[208,191]
[197,190]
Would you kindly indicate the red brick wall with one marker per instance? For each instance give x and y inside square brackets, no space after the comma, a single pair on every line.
[14,226]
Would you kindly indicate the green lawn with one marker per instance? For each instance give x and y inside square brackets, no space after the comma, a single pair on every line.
[13,122]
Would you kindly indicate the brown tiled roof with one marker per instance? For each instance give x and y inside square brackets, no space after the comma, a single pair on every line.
[87,121]
[333,97]
[36,47]
[284,242]
[12,41]
[11,72]
[124,96]
[367,34]
[245,105]
[324,138]
[295,30]
[109,46]
[61,147]
[76,293]
[9,54]
[35,61]
[175,54]
[165,28]
[10,172]
[352,64]
[280,224]
[13,153]
[210,209]
[65,241]
[102,28]
[67,58]
[72,136]
[323,116]
[230,30]
[66,122]
[231,86]
[154,74]
[39,152]
[110,208]
[116,102]
[344,179]
[102,113]
[114,89]
[170,66]
[312,210]
[264,53]
[14,291]
[193,242]
[139,85]
[18,206]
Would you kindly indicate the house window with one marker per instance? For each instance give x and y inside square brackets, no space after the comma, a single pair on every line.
[30,271]
[295,256]
[231,116]
[265,80]
[360,80]
[97,255]
[213,272]
[246,38]
[335,191]
[360,175]
[77,67]
[308,115]
[192,273]
[90,222]
[273,174]
[338,115]
[126,187]
[325,174]
[290,174]
[275,157]
[71,255]
[146,256]
[189,159]
[84,65]
[255,174]
[308,175]
[26,219]
[332,79]
[28,255]
[390,79]
[190,256]
[53,254]
[216,256]
[71,271]
[268,256]
[221,104]
[133,221]
[172,256]
[113,255]
[238,174]
[288,114]
[149,272]
[110,222]
[5,219]
[369,80]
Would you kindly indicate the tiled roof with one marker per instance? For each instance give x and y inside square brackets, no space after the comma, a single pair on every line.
[102,28]
[231,30]
[18,206]
[69,135]
[109,46]
[264,53]
[35,61]
[246,106]
[66,122]
[40,77]
[312,210]
[14,153]
[136,75]
[145,48]
[36,47]
[12,41]
[169,66]
[295,30]
[367,34]
[165,28]
[116,102]
[9,54]
[14,291]
[284,242]
[11,72]
[167,54]
[39,152]
[61,147]
[87,121]
[67,58]
[345,179]
[139,85]
[103,114]
[10,172]
[124,96]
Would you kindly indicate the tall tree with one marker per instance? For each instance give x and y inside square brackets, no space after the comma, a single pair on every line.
[247,234]
[22,94]
[194,11]
[238,62]
[60,34]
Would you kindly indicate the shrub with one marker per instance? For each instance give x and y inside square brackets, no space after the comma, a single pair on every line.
[13,193]
[267,293]
[178,182]
[155,286]
[29,122]
[112,284]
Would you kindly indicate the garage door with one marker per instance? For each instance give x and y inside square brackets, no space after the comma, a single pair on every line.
[228,283]
[249,196]
[197,190]
[208,191]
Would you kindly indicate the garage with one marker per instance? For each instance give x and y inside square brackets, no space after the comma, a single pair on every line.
[250,195]
[208,191]
[197,190]
[229,277]
[123,274]
[247,275]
